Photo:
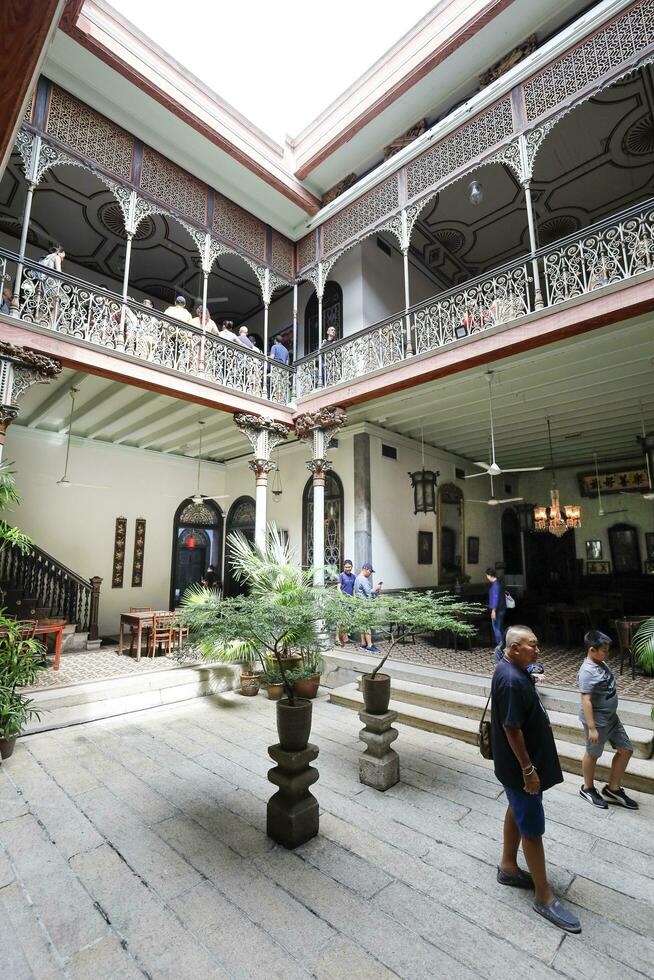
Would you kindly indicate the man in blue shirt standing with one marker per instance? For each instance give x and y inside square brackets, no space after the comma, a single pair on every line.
[279,353]
[496,604]
[364,589]
[345,584]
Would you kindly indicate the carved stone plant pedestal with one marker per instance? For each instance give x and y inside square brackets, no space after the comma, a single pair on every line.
[379,766]
[292,816]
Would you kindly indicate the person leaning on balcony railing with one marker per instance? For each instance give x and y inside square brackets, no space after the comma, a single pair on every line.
[226,331]
[51,287]
[202,319]
[6,300]
[179,311]
[244,339]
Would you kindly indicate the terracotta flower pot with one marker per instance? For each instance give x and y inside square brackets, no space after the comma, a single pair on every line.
[7,746]
[294,724]
[307,687]
[292,662]
[376,693]
[275,691]
[250,685]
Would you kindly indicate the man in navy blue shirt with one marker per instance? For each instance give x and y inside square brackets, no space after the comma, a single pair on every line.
[346,580]
[279,352]
[496,603]
[526,764]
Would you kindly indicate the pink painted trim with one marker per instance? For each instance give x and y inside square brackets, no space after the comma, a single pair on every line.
[540,330]
[106,365]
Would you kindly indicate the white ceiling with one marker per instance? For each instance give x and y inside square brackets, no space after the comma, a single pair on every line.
[589,386]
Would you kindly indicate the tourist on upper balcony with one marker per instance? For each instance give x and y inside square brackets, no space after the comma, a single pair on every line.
[331,337]
[54,259]
[202,319]
[279,353]
[179,311]
[244,339]
[6,300]
[227,330]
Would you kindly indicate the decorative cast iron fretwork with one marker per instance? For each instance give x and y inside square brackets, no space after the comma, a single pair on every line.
[174,186]
[306,250]
[370,209]
[21,368]
[263,434]
[618,42]
[88,133]
[239,226]
[330,419]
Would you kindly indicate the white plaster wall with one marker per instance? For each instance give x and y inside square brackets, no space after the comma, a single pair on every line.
[76,525]
[383,283]
[535,488]
[395,527]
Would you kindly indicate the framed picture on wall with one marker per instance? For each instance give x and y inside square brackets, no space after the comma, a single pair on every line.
[593,550]
[473,551]
[425,548]
[598,568]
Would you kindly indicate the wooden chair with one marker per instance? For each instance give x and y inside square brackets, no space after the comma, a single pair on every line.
[133,632]
[162,633]
[27,628]
[625,629]
[181,633]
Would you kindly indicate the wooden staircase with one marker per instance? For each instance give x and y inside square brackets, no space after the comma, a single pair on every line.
[34,585]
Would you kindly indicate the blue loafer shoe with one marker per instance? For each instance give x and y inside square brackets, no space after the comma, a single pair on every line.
[522,880]
[558,915]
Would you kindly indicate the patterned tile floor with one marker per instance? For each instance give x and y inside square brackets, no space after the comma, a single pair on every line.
[561,666]
[97,665]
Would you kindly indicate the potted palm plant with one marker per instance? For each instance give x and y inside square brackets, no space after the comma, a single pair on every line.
[393,618]
[279,617]
[642,644]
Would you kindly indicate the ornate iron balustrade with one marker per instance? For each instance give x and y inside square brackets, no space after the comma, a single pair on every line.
[610,251]
[84,312]
[41,579]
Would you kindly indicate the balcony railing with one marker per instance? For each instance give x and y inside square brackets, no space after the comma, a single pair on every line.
[88,313]
[610,251]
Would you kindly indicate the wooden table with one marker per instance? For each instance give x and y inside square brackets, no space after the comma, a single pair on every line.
[139,620]
[52,629]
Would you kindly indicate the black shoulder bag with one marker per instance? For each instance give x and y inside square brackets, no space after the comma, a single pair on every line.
[484,734]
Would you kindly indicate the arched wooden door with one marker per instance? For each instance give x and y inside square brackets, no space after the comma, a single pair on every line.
[240,517]
[197,544]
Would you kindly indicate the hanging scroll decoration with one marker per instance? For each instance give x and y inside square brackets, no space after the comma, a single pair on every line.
[119,553]
[139,552]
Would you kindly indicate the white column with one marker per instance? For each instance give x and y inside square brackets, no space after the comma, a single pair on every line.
[263,435]
[128,257]
[407,301]
[15,300]
[318,527]
[538,295]
[261,469]
[294,323]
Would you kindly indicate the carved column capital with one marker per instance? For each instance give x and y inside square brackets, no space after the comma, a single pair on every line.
[330,419]
[261,468]
[20,368]
[262,433]
[319,469]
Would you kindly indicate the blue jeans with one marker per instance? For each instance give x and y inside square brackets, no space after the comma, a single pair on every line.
[498,626]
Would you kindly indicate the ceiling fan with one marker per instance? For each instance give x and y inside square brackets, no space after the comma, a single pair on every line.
[493,468]
[492,500]
[647,494]
[198,497]
[601,512]
[63,481]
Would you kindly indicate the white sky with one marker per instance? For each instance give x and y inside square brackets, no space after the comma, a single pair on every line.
[279,62]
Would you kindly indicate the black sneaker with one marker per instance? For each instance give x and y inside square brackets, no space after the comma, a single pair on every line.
[592,796]
[620,797]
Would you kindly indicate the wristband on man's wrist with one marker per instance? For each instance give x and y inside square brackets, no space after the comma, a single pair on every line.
[531,768]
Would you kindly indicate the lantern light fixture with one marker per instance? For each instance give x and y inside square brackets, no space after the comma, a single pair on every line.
[424,483]
[475,192]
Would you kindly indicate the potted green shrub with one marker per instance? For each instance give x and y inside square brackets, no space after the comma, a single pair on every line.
[20,662]
[278,618]
[250,680]
[306,680]
[642,645]
[393,618]
[274,683]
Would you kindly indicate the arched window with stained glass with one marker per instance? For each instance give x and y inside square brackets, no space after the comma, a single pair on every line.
[333,522]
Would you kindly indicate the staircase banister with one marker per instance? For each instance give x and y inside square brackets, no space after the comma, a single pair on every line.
[68,572]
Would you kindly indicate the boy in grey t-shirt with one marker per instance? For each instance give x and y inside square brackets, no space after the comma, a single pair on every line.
[599,716]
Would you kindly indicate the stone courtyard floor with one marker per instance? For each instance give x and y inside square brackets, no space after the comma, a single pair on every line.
[136,847]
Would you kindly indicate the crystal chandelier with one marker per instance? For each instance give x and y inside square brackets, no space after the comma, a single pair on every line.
[555,518]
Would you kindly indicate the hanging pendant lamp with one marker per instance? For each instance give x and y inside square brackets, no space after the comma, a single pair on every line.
[424,483]
[556,519]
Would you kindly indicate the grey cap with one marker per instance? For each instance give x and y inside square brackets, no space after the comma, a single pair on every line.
[367,564]
[180,301]
[595,638]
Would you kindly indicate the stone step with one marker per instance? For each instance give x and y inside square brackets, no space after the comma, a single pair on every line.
[75,704]
[74,641]
[344,667]
[564,724]
[640,774]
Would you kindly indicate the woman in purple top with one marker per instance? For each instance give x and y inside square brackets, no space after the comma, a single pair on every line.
[345,584]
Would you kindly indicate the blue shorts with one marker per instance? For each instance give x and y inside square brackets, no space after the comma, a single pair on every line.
[527,810]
